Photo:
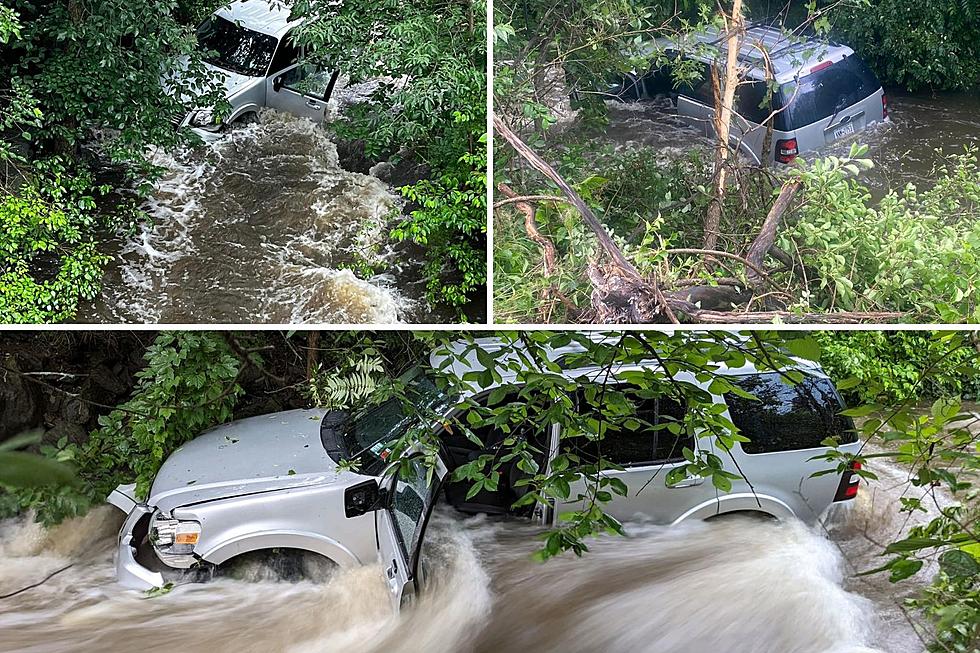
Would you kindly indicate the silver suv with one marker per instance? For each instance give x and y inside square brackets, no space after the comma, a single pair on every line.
[249,46]
[822,92]
[274,482]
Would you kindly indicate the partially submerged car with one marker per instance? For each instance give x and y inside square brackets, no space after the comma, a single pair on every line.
[249,45]
[278,482]
[820,92]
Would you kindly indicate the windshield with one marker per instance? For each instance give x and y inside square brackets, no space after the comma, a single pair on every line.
[824,93]
[232,47]
[368,435]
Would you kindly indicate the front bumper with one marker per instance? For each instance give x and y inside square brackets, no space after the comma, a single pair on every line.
[129,572]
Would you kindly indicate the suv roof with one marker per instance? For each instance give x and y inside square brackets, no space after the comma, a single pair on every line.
[260,16]
[791,55]
[492,345]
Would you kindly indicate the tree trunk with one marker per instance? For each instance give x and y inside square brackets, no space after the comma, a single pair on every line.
[724,94]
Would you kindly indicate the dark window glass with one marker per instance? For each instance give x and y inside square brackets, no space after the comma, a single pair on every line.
[825,92]
[286,55]
[787,417]
[633,445]
[751,102]
[229,46]
[700,91]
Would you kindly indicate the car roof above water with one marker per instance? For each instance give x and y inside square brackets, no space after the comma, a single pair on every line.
[267,17]
[791,55]
[461,359]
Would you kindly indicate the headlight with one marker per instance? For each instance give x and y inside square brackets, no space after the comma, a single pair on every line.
[174,540]
[203,118]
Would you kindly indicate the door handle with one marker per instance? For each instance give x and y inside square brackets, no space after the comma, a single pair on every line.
[392,570]
[690,481]
[313,104]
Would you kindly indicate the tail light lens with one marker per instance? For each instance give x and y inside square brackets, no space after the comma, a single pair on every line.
[787,150]
[849,483]
[884,106]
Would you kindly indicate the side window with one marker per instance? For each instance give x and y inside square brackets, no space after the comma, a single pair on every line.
[788,417]
[700,91]
[286,55]
[751,102]
[634,442]
[409,503]
[309,79]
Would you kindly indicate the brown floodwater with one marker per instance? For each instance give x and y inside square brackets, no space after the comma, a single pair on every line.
[740,586]
[903,150]
[261,227]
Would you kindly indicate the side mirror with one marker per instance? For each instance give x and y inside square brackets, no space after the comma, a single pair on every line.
[277,84]
[362,498]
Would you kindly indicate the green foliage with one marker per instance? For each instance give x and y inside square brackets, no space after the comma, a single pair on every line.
[889,366]
[190,383]
[49,261]
[913,252]
[350,383]
[537,394]
[636,193]
[81,93]
[917,44]
[430,105]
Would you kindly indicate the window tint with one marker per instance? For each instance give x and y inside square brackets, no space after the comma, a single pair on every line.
[310,80]
[822,93]
[229,46]
[751,102]
[286,55]
[700,90]
[628,444]
[786,417]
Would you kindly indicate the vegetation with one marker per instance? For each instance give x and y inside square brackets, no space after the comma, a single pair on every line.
[82,102]
[195,380]
[590,235]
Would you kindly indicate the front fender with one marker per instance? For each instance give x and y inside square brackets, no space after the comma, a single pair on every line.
[739,502]
[286,539]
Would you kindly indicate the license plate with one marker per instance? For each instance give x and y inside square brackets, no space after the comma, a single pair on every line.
[845,130]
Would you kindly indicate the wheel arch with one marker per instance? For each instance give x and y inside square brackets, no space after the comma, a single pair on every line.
[304,541]
[744,502]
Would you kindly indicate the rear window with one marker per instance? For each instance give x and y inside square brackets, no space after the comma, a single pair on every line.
[788,417]
[823,93]
[632,444]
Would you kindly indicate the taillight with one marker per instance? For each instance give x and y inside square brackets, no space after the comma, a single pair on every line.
[787,150]
[824,66]
[884,106]
[849,483]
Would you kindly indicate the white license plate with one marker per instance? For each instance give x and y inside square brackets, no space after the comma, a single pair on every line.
[846,130]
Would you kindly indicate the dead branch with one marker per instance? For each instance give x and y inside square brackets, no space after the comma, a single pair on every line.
[531,226]
[767,233]
[528,198]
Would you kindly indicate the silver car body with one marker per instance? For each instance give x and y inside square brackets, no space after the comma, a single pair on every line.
[801,69]
[285,83]
[266,482]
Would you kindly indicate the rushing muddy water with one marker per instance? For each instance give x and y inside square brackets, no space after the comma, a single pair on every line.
[738,585]
[258,227]
[904,150]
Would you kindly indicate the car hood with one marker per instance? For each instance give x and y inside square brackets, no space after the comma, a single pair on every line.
[258,454]
[232,81]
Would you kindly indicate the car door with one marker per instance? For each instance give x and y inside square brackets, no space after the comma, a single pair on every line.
[302,89]
[647,455]
[410,495]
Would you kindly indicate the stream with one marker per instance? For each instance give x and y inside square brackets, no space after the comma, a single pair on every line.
[260,226]
[738,585]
